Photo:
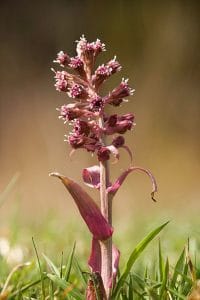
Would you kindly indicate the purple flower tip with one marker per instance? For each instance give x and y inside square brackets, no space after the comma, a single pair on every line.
[62,59]
[75,62]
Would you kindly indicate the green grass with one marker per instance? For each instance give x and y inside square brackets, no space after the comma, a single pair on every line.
[157,266]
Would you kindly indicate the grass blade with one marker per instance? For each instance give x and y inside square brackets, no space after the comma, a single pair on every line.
[133,257]
[175,293]
[130,289]
[51,265]
[165,279]
[161,264]
[178,269]
[69,263]
[51,292]
[40,269]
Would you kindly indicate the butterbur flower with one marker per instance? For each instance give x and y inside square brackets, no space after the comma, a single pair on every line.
[76,63]
[103,72]
[114,66]
[62,59]
[102,135]
[68,114]
[88,52]
[76,141]
[77,91]
[96,104]
[61,85]
[81,127]
[120,92]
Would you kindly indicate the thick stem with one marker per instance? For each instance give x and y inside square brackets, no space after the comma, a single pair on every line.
[106,209]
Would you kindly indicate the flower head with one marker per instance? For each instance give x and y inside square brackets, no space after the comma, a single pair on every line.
[103,72]
[87,104]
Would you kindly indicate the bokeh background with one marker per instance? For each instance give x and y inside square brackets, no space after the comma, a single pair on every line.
[157,42]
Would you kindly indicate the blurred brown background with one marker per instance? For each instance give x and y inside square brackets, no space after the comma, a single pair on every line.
[157,42]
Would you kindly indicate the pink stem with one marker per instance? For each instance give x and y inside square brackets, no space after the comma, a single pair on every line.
[106,210]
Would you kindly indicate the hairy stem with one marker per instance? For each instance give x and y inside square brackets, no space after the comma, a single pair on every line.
[106,209]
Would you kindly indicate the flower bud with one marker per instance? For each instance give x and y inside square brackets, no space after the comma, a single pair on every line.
[119,124]
[103,154]
[112,120]
[119,141]
[91,176]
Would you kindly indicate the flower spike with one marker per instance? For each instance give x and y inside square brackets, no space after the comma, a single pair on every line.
[102,135]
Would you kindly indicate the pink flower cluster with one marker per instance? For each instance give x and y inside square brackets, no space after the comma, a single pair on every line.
[81,82]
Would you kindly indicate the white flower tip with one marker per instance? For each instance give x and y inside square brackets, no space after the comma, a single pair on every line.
[55,174]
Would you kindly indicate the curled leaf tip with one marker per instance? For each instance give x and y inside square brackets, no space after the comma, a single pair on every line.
[64,179]
[152,197]
[117,184]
